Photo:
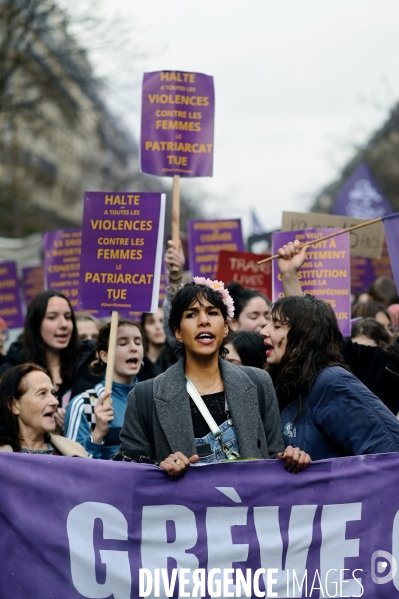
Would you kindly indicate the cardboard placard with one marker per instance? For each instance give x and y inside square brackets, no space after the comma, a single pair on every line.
[366,242]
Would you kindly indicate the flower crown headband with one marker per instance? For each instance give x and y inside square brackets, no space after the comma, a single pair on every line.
[219,287]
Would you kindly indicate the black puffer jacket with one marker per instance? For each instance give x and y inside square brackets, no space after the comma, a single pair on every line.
[82,377]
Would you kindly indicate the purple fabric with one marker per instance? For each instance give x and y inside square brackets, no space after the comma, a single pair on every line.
[177,124]
[62,253]
[256,226]
[10,299]
[361,196]
[122,238]
[207,238]
[73,527]
[391,228]
[32,282]
[326,272]
[365,270]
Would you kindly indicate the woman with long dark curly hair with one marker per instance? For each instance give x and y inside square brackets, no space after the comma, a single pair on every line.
[376,367]
[50,339]
[324,408]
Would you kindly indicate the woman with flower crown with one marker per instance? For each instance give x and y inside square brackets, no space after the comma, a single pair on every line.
[204,408]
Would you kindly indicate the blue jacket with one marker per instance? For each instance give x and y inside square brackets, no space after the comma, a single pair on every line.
[80,419]
[342,417]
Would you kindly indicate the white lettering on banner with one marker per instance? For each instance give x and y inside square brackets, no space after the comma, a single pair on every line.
[155,548]
[300,532]
[335,547]
[222,552]
[80,527]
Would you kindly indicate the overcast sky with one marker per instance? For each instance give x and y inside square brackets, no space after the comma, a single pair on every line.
[297,82]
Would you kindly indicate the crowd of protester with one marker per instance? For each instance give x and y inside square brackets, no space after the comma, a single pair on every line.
[216,373]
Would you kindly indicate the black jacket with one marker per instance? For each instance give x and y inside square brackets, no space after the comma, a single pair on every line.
[378,369]
[150,370]
[82,378]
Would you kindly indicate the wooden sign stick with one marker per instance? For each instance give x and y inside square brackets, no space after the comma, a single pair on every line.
[176,209]
[369,222]
[113,333]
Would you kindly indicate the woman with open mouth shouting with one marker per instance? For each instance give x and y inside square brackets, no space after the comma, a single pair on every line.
[27,414]
[50,339]
[90,421]
[325,408]
[204,408]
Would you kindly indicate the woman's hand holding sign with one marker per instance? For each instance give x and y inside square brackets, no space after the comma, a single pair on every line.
[174,260]
[104,415]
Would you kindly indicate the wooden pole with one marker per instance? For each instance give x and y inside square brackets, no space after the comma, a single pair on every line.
[369,222]
[111,352]
[176,209]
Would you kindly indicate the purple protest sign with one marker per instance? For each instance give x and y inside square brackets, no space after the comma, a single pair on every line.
[137,316]
[362,274]
[207,238]
[325,273]
[121,251]
[336,531]
[62,252]
[391,228]
[177,124]
[10,300]
[361,196]
[365,270]
[32,282]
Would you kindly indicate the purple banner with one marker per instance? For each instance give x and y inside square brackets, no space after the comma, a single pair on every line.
[391,228]
[325,273]
[177,124]
[104,526]
[121,251]
[32,282]
[361,196]
[62,253]
[10,299]
[207,238]
[365,270]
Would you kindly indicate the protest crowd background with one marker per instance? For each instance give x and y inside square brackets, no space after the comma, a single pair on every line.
[147,332]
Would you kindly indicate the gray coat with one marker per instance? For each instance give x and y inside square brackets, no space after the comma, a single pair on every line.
[172,421]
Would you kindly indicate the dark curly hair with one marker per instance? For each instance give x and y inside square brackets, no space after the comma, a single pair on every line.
[313,343]
[34,346]
[12,386]
[190,293]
